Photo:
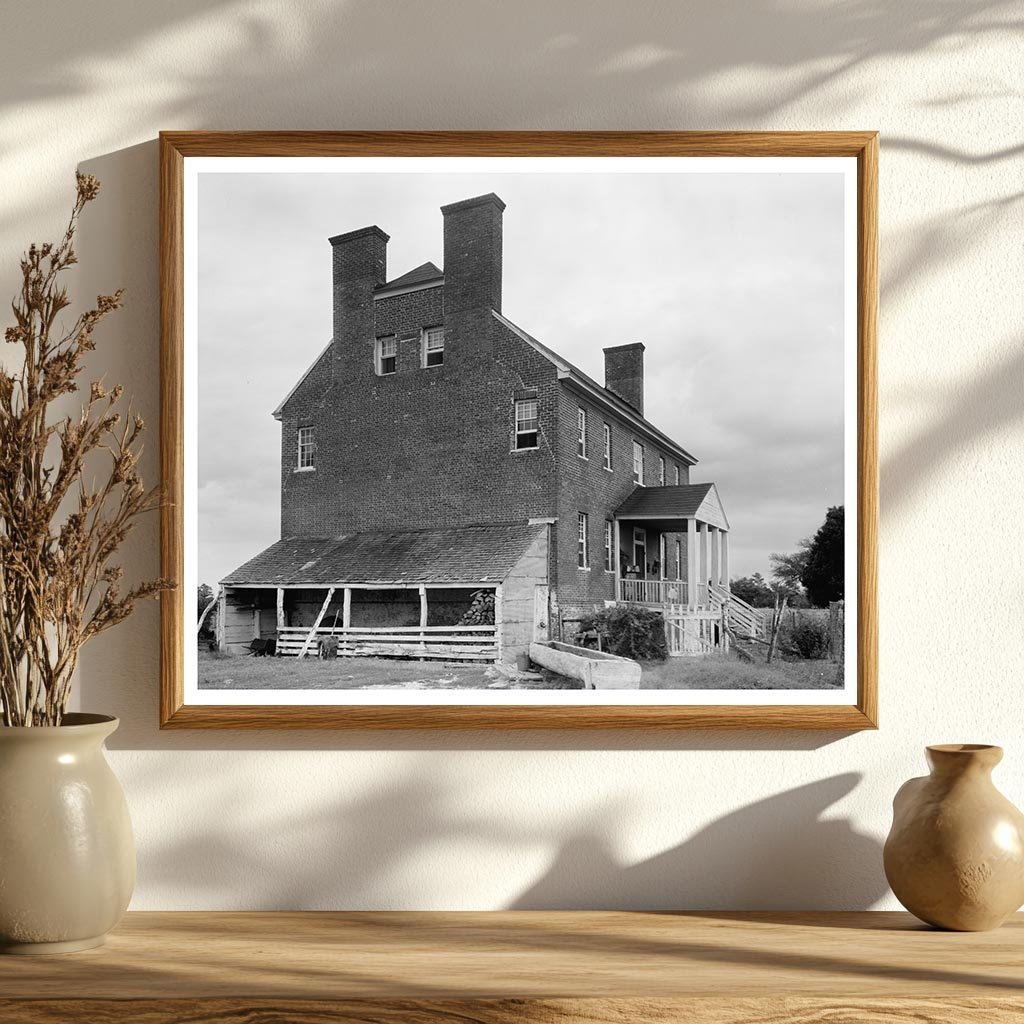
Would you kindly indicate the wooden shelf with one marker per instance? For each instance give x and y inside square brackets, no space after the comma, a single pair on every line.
[502,968]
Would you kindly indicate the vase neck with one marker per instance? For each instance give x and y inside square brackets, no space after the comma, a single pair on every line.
[953,759]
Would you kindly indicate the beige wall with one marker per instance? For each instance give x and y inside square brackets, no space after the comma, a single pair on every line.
[656,820]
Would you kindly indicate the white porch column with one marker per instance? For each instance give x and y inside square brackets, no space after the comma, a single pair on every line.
[280,608]
[617,531]
[703,530]
[346,609]
[716,538]
[423,606]
[725,559]
[691,564]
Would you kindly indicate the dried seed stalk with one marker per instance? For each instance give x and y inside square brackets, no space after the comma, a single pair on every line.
[58,584]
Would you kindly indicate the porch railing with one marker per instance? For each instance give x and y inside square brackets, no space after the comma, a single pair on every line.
[661,592]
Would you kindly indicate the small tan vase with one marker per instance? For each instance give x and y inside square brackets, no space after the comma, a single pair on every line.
[955,854]
[67,858]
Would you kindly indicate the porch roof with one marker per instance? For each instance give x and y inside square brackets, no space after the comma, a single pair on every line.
[475,554]
[687,501]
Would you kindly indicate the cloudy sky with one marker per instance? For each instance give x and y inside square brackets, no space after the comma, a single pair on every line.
[734,282]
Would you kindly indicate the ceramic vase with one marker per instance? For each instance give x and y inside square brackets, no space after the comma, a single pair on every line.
[67,857]
[955,854]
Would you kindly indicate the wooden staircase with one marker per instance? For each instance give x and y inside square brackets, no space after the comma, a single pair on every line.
[742,619]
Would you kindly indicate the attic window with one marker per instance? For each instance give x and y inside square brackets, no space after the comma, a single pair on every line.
[527,423]
[387,355]
[433,346]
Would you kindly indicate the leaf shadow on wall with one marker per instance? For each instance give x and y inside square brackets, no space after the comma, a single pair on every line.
[303,80]
[779,853]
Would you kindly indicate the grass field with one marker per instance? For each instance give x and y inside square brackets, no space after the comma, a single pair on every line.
[725,672]
[713,672]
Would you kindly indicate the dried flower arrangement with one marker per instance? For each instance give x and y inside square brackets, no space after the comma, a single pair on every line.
[58,534]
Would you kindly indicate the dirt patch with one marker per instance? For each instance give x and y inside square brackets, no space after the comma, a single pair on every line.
[239,672]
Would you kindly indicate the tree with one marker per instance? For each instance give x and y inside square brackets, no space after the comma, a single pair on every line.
[206,595]
[754,590]
[788,570]
[824,575]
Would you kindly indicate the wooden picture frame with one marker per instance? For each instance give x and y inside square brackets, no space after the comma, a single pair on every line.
[176,712]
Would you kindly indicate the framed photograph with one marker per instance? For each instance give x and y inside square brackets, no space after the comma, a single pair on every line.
[519,430]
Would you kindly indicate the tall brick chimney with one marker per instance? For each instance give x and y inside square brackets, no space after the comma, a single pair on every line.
[624,373]
[472,254]
[360,265]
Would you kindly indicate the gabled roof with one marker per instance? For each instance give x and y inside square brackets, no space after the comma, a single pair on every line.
[474,554]
[574,376]
[424,274]
[688,501]
[298,384]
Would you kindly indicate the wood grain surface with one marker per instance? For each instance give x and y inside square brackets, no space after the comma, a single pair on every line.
[175,147]
[523,966]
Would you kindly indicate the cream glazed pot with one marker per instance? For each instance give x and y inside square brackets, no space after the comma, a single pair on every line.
[955,854]
[67,857]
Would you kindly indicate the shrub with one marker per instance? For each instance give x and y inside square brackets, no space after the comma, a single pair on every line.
[808,638]
[637,633]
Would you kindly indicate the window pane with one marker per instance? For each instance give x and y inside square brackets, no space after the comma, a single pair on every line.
[433,347]
[527,421]
[526,415]
[387,355]
[307,447]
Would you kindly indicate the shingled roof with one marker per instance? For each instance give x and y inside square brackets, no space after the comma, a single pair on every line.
[418,275]
[475,554]
[688,501]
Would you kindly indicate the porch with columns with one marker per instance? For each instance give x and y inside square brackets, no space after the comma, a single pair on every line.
[677,562]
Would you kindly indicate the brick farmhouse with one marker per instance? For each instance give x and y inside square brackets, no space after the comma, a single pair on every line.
[436,459]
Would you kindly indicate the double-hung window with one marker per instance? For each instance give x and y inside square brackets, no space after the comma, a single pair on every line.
[638,463]
[679,560]
[677,474]
[527,423]
[607,447]
[583,547]
[387,355]
[433,346]
[307,448]
[581,438]
[609,546]
[661,471]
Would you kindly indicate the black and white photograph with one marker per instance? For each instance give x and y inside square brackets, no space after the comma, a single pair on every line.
[520,430]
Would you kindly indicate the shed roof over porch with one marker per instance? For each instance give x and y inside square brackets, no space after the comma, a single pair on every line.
[475,554]
[687,501]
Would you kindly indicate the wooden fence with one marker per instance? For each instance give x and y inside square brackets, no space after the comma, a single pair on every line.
[449,643]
